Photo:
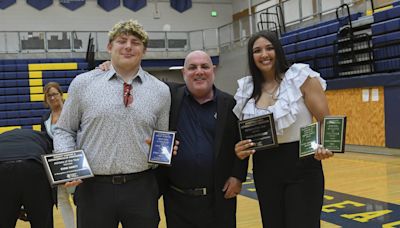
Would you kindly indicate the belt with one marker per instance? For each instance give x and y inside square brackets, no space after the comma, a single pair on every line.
[120,178]
[191,192]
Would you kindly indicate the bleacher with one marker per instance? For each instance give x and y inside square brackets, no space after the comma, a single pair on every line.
[348,46]
[386,39]
[315,45]
[21,88]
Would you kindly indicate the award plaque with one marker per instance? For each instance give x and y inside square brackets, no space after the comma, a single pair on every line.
[162,145]
[261,130]
[334,133]
[66,166]
[309,139]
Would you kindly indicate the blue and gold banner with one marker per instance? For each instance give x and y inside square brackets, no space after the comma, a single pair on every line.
[181,5]
[108,5]
[39,4]
[6,3]
[134,5]
[72,4]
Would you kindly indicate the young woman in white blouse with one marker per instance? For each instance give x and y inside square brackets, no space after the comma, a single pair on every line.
[290,190]
[53,99]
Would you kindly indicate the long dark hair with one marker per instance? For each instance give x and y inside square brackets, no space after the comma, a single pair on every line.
[281,64]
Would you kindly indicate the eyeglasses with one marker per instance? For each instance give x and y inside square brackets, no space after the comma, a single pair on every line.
[50,95]
[128,99]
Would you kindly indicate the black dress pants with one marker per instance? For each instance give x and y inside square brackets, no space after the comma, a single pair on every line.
[24,182]
[290,190]
[104,204]
[184,211]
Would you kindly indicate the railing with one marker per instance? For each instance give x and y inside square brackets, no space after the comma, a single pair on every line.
[167,43]
[295,15]
[35,42]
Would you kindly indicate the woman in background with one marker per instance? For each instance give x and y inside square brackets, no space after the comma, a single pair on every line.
[290,190]
[53,99]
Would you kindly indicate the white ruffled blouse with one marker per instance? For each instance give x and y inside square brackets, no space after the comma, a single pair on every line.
[290,111]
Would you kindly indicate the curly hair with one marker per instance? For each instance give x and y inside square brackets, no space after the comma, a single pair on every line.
[130,27]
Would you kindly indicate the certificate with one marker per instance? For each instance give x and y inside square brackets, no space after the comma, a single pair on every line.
[261,130]
[334,133]
[66,166]
[309,139]
[162,145]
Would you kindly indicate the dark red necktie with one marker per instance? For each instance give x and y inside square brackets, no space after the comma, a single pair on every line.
[128,99]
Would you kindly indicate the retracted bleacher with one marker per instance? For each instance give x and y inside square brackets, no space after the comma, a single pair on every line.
[314,45]
[349,46]
[386,39]
[21,88]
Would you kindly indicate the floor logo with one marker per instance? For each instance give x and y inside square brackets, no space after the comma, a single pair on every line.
[346,210]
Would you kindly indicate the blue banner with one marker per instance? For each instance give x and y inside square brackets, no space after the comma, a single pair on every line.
[109,5]
[6,3]
[39,4]
[72,4]
[181,5]
[134,5]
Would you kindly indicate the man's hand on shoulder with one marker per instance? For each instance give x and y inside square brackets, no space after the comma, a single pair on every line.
[105,66]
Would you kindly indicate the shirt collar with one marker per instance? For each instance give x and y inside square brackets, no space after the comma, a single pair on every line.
[140,76]
[188,94]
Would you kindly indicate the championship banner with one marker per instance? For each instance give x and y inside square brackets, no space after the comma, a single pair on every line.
[72,4]
[134,5]
[108,5]
[6,3]
[181,5]
[39,4]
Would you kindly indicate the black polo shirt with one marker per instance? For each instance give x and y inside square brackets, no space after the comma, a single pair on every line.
[193,166]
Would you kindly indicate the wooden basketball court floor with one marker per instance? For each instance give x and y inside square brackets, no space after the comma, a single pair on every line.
[362,190]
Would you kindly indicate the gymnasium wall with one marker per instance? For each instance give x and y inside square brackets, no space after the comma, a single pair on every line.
[365,115]
[372,106]
[90,17]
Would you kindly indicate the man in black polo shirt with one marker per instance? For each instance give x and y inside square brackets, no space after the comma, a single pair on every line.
[201,186]
[23,178]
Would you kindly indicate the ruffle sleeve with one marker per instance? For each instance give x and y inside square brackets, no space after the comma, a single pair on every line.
[243,95]
[287,106]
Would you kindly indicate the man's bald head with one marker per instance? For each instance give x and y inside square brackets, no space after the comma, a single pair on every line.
[198,73]
[195,54]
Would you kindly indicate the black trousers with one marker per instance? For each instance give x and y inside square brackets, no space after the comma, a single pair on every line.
[25,183]
[290,190]
[102,204]
[184,211]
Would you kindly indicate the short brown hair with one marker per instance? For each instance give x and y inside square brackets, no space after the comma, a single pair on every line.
[47,88]
[129,27]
